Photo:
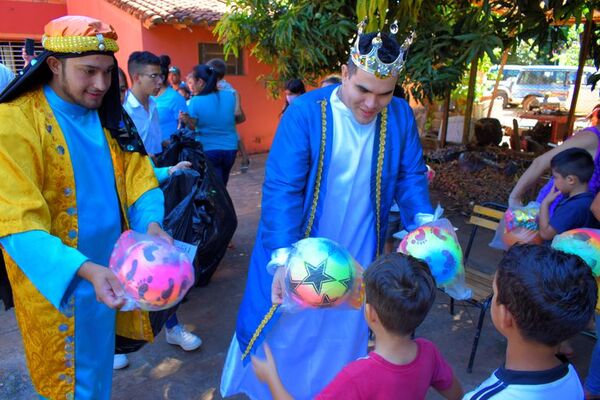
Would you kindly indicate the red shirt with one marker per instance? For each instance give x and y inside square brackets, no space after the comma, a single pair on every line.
[375,378]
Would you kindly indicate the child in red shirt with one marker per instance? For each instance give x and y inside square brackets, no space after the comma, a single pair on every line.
[399,293]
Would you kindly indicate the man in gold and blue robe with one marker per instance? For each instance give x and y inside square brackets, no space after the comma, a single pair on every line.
[74,176]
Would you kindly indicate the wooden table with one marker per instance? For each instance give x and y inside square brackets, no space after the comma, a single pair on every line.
[557,122]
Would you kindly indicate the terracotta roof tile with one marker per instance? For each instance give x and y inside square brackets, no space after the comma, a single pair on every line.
[175,12]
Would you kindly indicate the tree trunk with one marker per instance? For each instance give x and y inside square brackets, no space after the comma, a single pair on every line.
[495,91]
[445,117]
[470,100]
[516,137]
[583,51]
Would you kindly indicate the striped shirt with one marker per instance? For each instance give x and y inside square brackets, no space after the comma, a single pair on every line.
[557,383]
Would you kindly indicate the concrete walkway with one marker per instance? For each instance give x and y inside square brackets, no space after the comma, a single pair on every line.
[162,371]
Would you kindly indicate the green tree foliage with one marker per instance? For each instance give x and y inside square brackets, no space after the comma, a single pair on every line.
[309,38]
[300,39]
[450,34]
[540,24]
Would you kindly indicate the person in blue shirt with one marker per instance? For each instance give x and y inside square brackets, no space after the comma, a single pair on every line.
[168,102]
[572,170]
[221,68]
[212,113]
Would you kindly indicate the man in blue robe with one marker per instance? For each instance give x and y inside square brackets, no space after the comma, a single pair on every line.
[341,155]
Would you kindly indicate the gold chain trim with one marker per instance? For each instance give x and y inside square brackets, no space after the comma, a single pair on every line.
[313,208]
[380,154]
[311,220]
[261,326]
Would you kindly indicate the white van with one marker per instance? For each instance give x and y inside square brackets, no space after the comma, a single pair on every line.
[536,82]
[508,78]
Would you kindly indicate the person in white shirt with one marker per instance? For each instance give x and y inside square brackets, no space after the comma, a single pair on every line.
[146,79]
[176,332]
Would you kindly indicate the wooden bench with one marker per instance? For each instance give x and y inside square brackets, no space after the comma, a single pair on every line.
[487,216]
[480,283]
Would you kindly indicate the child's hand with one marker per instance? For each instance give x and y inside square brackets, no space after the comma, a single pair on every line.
[265,370]
[277,286]
[554,193]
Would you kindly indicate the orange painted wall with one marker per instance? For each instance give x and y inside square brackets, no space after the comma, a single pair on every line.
[21,19]
[128,27]
[262,112]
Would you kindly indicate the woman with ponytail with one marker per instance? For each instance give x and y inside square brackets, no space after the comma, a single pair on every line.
[212,114]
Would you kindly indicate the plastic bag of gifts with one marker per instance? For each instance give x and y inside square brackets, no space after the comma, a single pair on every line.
[319,273]
[155,275]
[519,225]
[436,244]
[582,242]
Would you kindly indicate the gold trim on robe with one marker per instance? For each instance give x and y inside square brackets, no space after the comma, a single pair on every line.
[40,195]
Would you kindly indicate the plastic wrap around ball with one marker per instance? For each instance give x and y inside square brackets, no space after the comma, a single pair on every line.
[584,243]
[438,248]
[155,275]
[521,225]
[320,273]
[430,174]
[521,235]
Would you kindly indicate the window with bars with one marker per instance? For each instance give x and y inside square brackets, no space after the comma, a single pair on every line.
[10,53]
[207,51]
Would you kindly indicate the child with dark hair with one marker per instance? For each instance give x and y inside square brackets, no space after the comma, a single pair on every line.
[399,293]
[572,170]
[541,297]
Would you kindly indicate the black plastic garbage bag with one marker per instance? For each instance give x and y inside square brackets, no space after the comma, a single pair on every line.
[182,147]
[199,211]
[5,289]
[205,217]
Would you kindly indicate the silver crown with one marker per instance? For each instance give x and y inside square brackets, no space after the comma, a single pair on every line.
[370,62]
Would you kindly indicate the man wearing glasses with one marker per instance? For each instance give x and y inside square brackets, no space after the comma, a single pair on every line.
[144,71]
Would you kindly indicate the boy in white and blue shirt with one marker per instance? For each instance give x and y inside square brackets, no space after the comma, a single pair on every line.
[541,297]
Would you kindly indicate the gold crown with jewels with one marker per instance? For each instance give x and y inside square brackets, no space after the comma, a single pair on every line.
[370,62]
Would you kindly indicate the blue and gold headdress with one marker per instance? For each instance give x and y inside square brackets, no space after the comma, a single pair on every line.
[370,62]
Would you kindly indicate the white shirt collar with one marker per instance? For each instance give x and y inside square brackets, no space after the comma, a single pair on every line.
[133,102]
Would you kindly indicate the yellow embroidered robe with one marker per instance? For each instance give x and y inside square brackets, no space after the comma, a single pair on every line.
[36,192]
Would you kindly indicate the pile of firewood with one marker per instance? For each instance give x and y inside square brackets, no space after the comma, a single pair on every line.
[466,176]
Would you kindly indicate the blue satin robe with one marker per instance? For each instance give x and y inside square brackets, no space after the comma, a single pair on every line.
[306,345]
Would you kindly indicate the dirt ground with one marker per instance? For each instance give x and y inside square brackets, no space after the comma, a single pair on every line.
[162,371]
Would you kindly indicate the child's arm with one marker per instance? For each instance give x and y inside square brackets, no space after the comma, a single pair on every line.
[454,392]
[266,371]
[596,207]
[547,232]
